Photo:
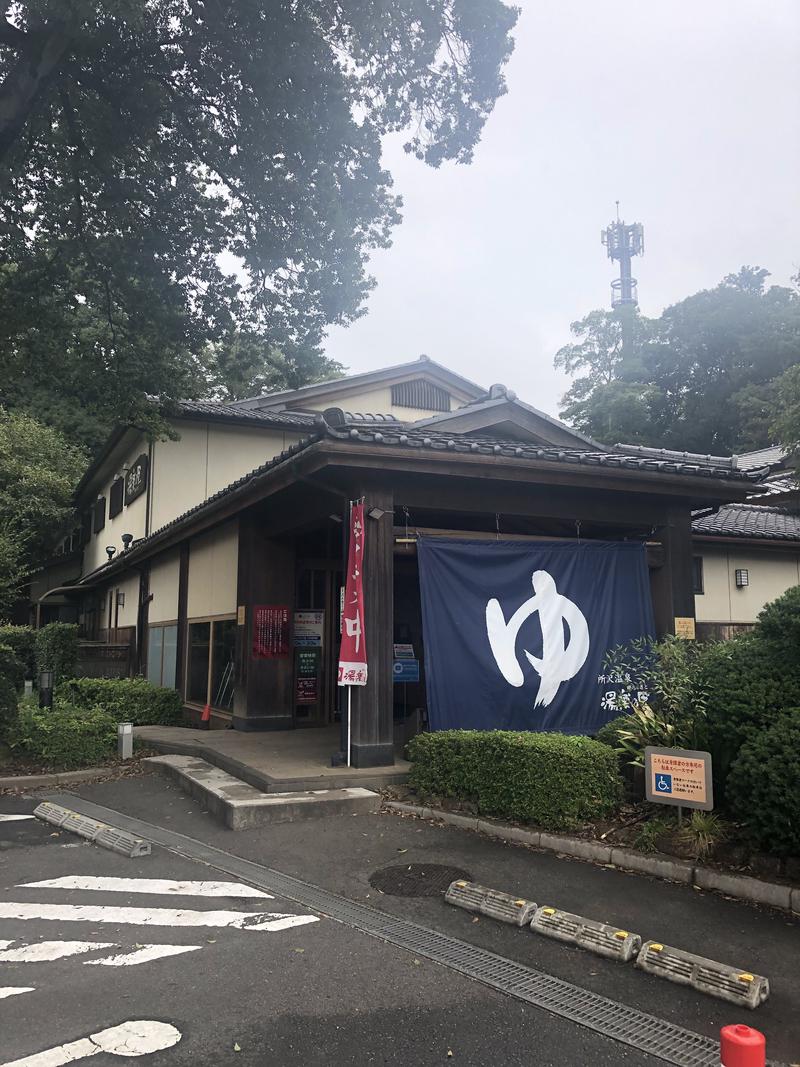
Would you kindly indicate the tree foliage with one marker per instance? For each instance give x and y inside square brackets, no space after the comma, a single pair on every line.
[703,377]
[38,472]
[140,141]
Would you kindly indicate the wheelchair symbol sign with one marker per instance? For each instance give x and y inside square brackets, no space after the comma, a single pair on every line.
[663,783]
[678,776]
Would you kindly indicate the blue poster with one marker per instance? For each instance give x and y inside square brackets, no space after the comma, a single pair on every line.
[516,634]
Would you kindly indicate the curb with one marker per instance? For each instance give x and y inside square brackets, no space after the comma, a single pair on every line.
[741,886]
[21,782]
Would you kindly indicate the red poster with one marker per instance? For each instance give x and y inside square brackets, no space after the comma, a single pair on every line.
[353,650]
[270,631]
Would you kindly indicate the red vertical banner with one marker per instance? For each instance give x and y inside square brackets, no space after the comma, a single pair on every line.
[353,649]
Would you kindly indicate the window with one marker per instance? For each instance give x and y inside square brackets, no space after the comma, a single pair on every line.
[116,497]
[99,514]
[210,673]
[697,575]
[420,394]
[162,648]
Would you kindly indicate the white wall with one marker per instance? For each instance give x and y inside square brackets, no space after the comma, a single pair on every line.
[771,572]
[164,574]
[378,401]
[132,519]
[213,566]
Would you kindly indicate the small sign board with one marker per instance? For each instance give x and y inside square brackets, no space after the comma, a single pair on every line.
[684,627]
[308,629]
[678,776]
[405,670]
[306,676]
[270,631]
[403,651]
[136,478]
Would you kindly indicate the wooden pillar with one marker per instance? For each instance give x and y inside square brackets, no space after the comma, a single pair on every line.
[671,583]
[264,695]
[183,627]
[372,728]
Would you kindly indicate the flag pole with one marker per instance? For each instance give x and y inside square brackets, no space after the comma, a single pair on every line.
[349,705]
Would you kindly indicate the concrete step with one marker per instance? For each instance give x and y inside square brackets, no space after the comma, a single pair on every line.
[242,806]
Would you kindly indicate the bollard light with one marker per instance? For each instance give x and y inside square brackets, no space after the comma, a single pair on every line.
[125,740]
[46,689]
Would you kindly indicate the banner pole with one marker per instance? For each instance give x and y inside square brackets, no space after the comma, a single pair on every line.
[349,703]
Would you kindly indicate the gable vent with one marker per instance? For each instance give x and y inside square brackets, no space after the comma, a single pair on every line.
[420,394]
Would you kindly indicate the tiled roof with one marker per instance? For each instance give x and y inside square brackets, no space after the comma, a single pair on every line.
[403,437]
[646,451]
[750,520]
[408,437]
[300,420]
[763,457]
[786,483]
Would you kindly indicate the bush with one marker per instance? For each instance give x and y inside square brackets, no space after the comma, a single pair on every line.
[57,650]
[608,734]
[11,676]
[126,699]
[779,626]
[64,736]
[553,780]
[763,785]
[747,684]
[22,640]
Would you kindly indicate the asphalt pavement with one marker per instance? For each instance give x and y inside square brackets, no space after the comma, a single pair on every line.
[243,991]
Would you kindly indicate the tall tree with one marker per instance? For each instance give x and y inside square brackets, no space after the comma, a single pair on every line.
[699,378]
[140,140]
[38,472]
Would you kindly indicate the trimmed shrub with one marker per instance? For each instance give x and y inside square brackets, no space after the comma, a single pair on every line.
[763,785]
[11,677]
[779,625]
[553,780]
[64,736]
[126,699]
[57,650]
[22,640]
[747,683]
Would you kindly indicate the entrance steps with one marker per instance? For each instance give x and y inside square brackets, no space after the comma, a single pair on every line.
[242,806]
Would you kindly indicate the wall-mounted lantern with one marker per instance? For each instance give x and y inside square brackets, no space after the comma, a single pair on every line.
[120,599]
[742,577]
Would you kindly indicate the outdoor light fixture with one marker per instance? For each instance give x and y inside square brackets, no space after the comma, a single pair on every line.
[46,679]
[742,576]
[120,599]
[376,513]
[110,550]
[126,541]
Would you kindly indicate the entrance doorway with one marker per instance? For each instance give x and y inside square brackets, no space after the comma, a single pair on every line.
[316,641]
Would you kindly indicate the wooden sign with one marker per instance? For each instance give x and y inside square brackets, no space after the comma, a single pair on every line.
[678,776]
[270,631]
[136,478]
[684,627]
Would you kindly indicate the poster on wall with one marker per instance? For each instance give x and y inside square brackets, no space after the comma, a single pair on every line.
[270,631]
[308,629]
[516,635]
[306,676]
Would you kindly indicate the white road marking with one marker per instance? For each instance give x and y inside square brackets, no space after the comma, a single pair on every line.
[12,990]
[14,818]
[150,885]
[143,954]
[239,920]
[138,1037]
[44,951]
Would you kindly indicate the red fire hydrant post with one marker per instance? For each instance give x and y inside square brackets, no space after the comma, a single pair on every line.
[741,1046]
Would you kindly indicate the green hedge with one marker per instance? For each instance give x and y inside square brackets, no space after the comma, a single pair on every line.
[126,699]
[64,736]
[9,670]
[553,780]
[764,785]
[57,650]
[22,639]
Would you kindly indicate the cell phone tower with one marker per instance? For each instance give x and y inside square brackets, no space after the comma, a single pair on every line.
[623,242]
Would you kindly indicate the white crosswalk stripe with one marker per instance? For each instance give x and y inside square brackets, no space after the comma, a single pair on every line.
[142,954]
[99,913]
[14,818]
[46,951]
[150,885]
[13,990]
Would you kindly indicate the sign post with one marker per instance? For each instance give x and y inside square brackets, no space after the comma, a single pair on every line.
[680,777]
[353,649]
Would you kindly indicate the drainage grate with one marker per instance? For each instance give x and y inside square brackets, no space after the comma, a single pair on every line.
[641,1031]
[417,879]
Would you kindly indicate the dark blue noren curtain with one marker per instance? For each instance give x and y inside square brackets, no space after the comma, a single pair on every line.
[515,634]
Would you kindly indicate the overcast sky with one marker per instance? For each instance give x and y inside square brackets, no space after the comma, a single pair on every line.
[687,111]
